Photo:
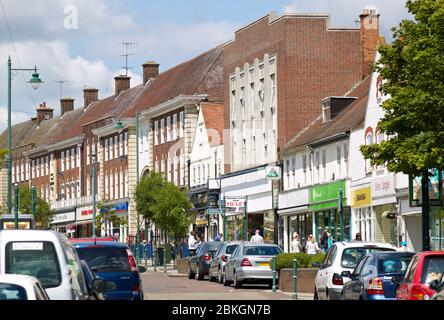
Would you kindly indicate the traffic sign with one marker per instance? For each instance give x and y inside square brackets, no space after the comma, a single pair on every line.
[221,203]
[214,211]
[273,173]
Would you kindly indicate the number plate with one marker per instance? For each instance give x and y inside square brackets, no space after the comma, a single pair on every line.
[264,264]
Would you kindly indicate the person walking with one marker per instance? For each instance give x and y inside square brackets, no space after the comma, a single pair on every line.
[358,237]
[192,243]
[257,238]
[296,246]
[312,246]
[218,237]
[323,241]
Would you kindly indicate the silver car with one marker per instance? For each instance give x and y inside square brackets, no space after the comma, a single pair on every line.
[250,263]
[220,258]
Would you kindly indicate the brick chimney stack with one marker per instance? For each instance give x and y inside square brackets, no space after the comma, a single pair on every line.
[122,84]
[369,37]
[44,113]
[90,95]
[150,70]
[66,104]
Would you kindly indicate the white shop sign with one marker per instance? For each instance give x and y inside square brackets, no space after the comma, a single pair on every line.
[383,190]
[234,205]
[84,213]
[63,217]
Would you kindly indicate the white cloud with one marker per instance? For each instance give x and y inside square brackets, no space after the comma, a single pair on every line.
[343,13]
[16,117]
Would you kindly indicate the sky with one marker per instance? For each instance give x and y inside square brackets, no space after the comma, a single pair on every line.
[79,42]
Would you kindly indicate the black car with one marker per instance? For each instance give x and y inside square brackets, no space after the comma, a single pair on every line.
[200,262]
[372,277]
[96,289]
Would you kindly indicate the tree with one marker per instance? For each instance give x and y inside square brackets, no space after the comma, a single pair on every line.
[43,211]
[412,68]
[164,203]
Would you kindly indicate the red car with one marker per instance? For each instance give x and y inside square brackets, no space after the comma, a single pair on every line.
[424,268]
[77,240]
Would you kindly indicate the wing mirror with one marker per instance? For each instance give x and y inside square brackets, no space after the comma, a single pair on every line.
[346,274]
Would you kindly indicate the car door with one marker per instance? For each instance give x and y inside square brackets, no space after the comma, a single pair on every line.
[403,290]
[357,280]
[322,277]
[215,260]
[229,267]
[348,288]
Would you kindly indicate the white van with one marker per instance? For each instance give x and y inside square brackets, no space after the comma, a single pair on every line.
[46,255]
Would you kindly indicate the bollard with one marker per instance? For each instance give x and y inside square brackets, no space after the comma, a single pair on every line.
[145,256]
[295,277]
[155,258]
[274,273]
[164,259]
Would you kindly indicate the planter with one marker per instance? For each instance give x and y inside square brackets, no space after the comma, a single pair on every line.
[182,266]
[305,280]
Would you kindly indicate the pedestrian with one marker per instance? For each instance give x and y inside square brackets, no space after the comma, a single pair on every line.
[199,240]
[296,246]
[257,238]
[218,237]
[323,241]
[403,247]
[116,236]
[312,246]
[358,237]
[192,243]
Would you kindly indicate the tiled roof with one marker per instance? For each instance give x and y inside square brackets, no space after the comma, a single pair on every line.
[200,75]
[350,117]
[213,114]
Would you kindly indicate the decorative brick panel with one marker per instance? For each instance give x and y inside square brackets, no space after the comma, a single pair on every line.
[305,280]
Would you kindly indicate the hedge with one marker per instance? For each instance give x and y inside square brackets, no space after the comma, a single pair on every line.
[303,260]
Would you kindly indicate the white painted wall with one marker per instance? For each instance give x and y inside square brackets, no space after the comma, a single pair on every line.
[144,146]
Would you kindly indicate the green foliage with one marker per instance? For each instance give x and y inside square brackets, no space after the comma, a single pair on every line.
[164,203]
[303,260]
[413,69]
[3,154]
[43,211]
[108,214]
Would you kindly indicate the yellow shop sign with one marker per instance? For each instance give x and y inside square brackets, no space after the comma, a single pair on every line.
[361,197]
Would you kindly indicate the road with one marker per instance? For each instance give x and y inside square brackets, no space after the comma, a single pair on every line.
[172,286]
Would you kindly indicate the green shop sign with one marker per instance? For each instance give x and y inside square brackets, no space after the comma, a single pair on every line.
[326,196]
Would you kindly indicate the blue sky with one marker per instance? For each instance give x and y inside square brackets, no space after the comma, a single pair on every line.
[168,32]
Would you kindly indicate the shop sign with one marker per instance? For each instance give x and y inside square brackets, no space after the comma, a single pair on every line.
[201,220]
[361,197]
[63,217]
[273,173]
[326,196]
[121,207]
[383,190]
[84,213]
[235,205]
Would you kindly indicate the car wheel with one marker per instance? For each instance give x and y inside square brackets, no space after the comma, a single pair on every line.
[315,297]
[191,275]
[225,281]
[199,275]
[236,283]
[210,276]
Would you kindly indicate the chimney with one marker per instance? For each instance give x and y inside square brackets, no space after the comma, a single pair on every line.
[150,70]
[369,37]
[122,83]
[66,104]
[44,113]
[332,106]
[90,95]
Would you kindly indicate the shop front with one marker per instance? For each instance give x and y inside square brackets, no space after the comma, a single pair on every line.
[114,218]
[296,215]
[83,225]
[384,203]
[324,203]
[362,213]
[61,222]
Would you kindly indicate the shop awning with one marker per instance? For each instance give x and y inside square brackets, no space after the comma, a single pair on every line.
[293,211]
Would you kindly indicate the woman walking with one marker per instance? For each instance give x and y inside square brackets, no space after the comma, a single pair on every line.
[312,246]
[296,246]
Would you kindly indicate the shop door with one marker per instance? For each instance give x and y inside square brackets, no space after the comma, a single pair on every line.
[413,227]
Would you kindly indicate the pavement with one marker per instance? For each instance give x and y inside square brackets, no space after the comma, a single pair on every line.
[171,285]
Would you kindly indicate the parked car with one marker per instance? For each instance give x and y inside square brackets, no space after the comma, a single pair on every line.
[372,277]
[250,263]
[46,255]
[96,289]
[200,262]
[342,256]
[113,262]
[424,269]
[20,287]
[217,264]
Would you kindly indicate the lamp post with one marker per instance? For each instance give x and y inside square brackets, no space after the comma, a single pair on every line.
[16,205]
[341,214]
[33,202]
[35,83]
[137,181]
[94,191]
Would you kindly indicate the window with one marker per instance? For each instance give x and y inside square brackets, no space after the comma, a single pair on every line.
[126,184]
[176,171]
[106,149]
[88,153]
[125,146]
[182,123]
[116,185]
[182,168]
[203,173]
[116,146]
[156,133]
[233,107]
[175,132]
[168,127]
[62,161]
[273,93]
[78,157]
[242,97]
[194,175]
[93,152]
[351,256]
[41,261]
[111,148]
[317,159]
[262,250]
[338,153]
[162,130]
[22,170]
[121,184]
[162,166]
[304,162]
[169,170]
[106,259]
[368,141]
[38,168]
[121,144]
[324,158]
[88,186]
[73,159]
[68,160]
[433,269]
[107,191]
[9,291]
[33,168]
[111,185]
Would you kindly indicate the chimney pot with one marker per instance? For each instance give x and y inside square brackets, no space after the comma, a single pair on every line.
[66,105]
[122,83]
[150,70]
[90,95]
[44,113]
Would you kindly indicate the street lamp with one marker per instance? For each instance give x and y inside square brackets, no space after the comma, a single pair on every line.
[94,191]
[35,83]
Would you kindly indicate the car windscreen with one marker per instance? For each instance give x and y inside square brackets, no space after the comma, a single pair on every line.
[105,259]
[230,248]
[38,259]
[351,256]
[393,264]
[433,269]
[210,247]
[9,291]
[262,251]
